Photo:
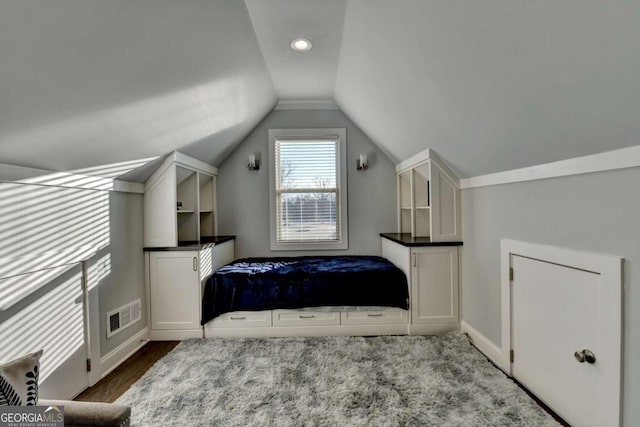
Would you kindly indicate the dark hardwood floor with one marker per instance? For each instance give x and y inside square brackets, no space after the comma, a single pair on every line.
[120,379]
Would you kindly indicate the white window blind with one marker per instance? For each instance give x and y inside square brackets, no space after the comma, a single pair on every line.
[307,190]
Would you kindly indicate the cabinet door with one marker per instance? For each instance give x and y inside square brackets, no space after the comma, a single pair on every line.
[434,285]
[445,207]
[175,290]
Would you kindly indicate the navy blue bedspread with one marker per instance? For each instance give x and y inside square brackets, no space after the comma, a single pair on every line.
[296,282]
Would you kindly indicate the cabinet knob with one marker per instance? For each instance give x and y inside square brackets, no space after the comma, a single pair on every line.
[585,356]
[195,263]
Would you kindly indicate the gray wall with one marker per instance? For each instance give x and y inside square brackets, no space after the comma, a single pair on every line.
[36,219]
[243,195]
[597,212]
[125,283]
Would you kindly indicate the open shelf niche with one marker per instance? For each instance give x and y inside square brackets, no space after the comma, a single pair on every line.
[428,198]
[180,202]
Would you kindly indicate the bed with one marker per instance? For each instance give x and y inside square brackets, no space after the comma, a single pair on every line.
[344,283]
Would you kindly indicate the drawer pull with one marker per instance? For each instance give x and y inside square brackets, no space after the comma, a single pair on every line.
[238,318]
[374,314]
[306,317]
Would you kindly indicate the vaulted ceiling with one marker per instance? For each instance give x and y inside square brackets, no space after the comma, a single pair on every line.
[490,85]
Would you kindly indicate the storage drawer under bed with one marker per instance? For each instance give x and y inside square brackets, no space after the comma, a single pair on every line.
[371,317]
[242,319]
[305,318]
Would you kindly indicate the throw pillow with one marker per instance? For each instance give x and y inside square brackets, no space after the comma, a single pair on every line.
[19,381]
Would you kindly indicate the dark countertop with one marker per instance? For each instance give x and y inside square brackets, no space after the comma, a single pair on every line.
[194,246]
[405,239]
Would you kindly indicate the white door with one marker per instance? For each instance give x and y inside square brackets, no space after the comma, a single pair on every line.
[175,290]
[52,319]
[556,311]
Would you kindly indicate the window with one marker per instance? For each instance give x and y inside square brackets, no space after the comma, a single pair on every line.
[308,189]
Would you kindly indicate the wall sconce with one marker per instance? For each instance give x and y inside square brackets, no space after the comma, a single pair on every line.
[361,163]
[254,164]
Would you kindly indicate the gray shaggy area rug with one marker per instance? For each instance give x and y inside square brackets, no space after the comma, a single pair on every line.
[329,381]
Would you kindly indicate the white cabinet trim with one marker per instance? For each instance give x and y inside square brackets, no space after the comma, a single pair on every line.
[441,219]
[192,163]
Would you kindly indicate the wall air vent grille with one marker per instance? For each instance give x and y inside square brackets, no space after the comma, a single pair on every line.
[123,317]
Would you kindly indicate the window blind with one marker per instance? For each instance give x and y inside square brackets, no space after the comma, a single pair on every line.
[307,189]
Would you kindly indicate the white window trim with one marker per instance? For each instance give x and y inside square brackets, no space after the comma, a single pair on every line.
[326,133]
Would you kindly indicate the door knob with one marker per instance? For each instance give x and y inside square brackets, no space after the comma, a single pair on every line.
[585,356]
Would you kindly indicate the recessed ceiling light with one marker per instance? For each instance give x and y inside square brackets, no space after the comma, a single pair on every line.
[301,45]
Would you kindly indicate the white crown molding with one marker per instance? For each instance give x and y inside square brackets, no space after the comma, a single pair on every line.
[609,160]
[10,173]
[306,104]
[31,176]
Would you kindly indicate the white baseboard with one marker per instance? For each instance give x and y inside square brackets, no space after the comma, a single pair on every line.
[114,358]
[486,346]
[175,335]
[433,329]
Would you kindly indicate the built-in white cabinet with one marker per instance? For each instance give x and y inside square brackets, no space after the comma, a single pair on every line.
[174,279]
[434,285]
[428,198]
[432,273]
[175,283]
[180,203]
